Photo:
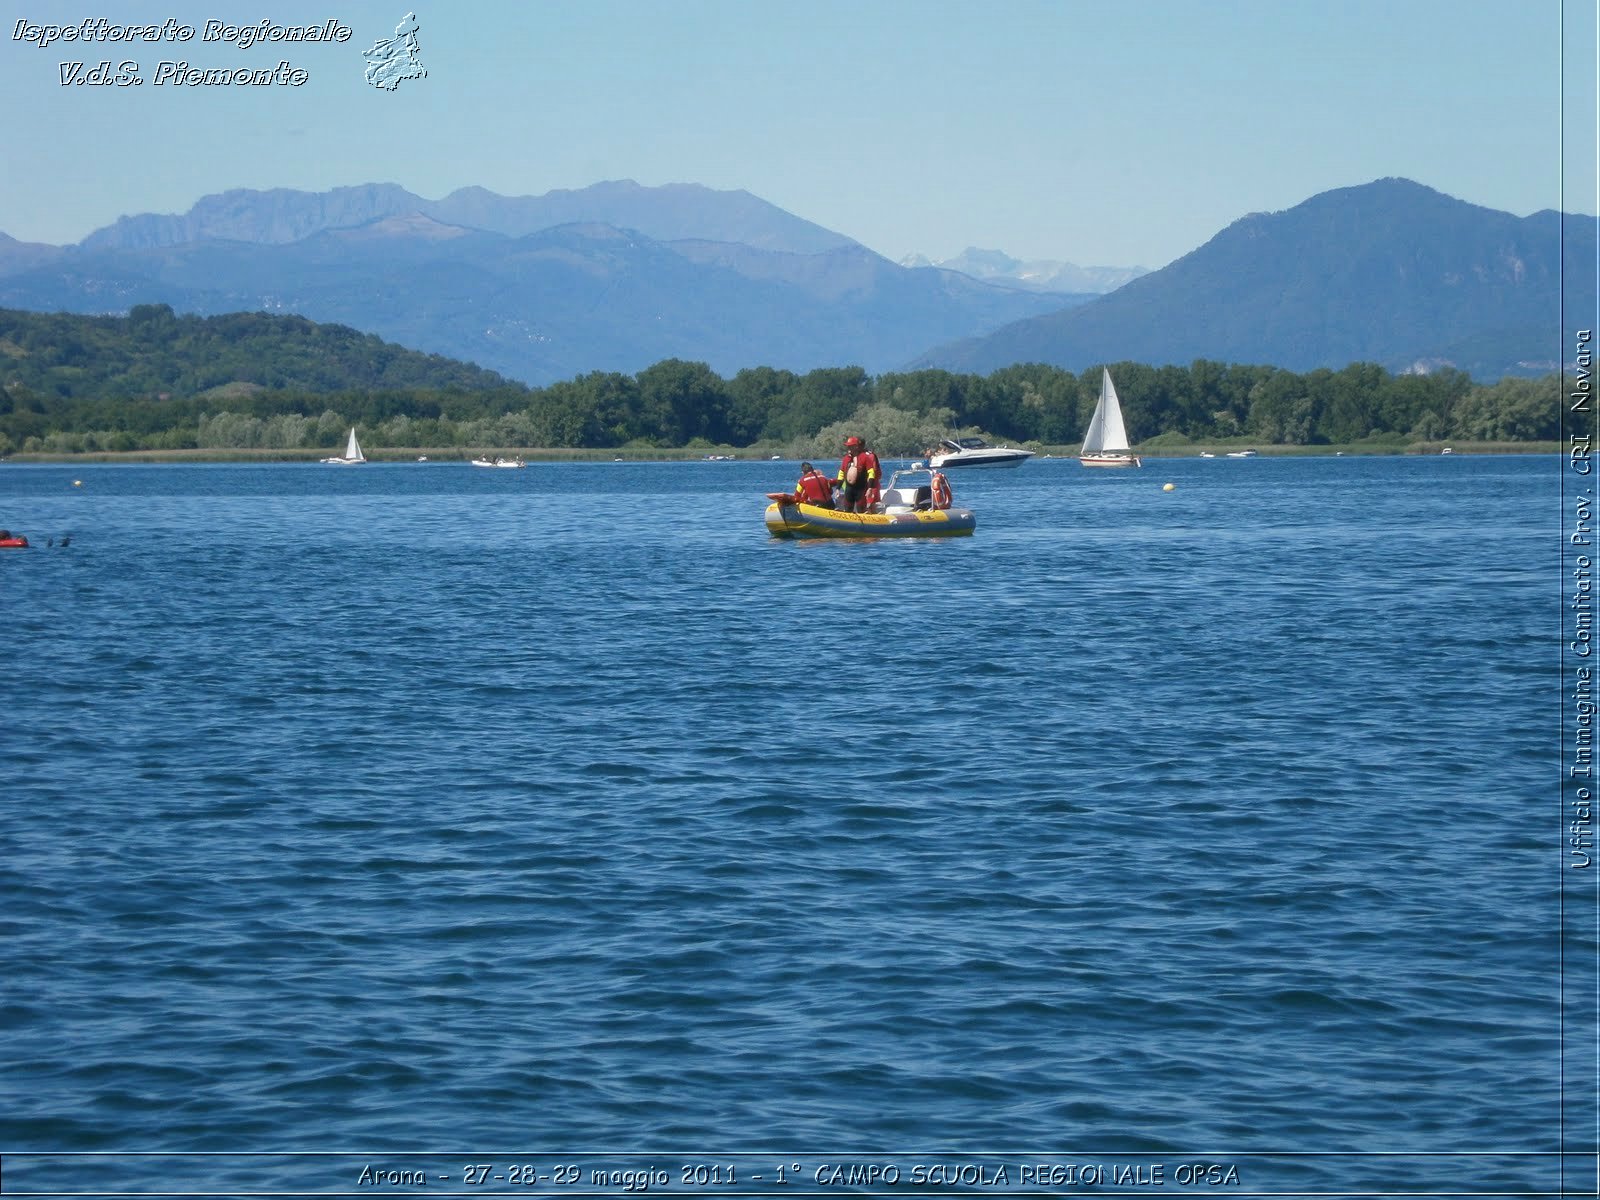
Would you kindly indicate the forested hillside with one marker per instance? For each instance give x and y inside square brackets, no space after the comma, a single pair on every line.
[153,350]
[154,380]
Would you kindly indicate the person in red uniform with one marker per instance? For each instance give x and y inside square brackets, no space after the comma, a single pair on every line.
[858,476]
[814,487]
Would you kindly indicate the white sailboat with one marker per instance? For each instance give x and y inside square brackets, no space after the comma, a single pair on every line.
[1106,443]
[352,453]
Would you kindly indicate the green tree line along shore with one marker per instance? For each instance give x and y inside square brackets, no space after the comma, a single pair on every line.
[156,381]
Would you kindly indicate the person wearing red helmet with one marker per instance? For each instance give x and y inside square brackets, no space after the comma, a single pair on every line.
[858,476]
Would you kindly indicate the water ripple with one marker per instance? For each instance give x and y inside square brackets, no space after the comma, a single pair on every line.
[389,810]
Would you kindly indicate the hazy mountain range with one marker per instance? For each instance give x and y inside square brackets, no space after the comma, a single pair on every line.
[613,277]
[618,276]
[669,213]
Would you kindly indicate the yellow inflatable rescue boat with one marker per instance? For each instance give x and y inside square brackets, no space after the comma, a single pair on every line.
[917,503]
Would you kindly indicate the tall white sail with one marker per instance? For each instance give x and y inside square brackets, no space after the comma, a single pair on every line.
[1106,431]
[352,456]
[1106,443]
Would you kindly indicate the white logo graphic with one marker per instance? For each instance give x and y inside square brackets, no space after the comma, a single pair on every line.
[396,58]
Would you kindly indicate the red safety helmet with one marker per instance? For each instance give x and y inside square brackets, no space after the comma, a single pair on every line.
[852,441]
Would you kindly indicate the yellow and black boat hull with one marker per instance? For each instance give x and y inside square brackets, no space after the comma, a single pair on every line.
[791,520]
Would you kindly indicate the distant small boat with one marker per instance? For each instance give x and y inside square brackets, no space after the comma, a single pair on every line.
[1207,454]
[1241,454]
[1447,450]
[13,541]
[352,456]
[502,463]
[1106,443]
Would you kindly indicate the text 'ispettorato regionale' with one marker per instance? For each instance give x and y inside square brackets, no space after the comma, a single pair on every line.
[100,33]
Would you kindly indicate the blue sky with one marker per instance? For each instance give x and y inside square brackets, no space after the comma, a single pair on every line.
[1101,132]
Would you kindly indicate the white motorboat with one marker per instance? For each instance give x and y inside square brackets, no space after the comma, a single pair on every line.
[502,463]
[975,452]
[352,455]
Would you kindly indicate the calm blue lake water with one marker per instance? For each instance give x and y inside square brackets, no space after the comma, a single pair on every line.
[420,816]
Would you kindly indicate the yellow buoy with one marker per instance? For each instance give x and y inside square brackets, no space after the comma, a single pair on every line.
[1167,487]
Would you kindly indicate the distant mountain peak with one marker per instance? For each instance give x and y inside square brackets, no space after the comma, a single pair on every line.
[275,216]
[996,260]
[279,216]
[1391,272]
[406,225]
[1043,275]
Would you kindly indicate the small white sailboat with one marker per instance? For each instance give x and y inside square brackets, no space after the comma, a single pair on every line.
[1106,443]
[352,453]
